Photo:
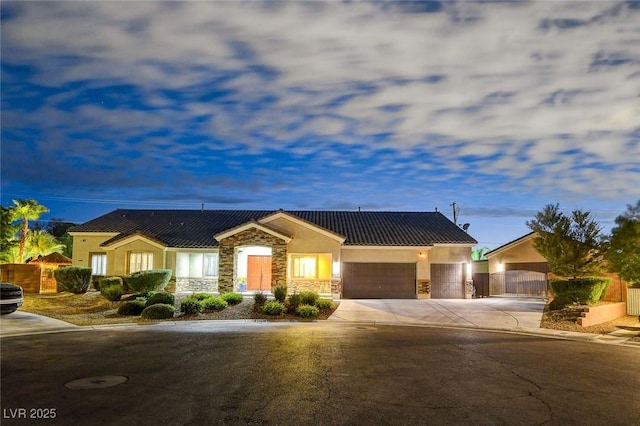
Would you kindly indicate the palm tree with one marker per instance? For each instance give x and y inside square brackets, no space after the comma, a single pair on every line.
[41,243]
[26,210]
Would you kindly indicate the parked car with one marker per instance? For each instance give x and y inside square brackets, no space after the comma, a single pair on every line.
[11,298]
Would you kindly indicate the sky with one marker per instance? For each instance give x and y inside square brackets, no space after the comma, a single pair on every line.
[500,107]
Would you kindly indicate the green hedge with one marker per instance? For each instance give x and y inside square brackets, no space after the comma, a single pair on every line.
[158,311]
[309,298]
[232,298]
[279,292]
[111,288]
[307,311]
[74,279]
[583,291]
[324,304]
[161,298]
[153,280]
[273,307]
[131,307]
[214,304]
[191,306]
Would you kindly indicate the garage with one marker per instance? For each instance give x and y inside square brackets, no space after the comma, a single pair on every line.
[447,281]
[379,281]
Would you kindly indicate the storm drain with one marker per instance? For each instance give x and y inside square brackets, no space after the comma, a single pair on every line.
[96,382]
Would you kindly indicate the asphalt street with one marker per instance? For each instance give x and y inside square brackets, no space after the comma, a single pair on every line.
[313,373]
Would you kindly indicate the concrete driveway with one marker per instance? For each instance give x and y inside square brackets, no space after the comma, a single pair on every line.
[22,322]
[492,313]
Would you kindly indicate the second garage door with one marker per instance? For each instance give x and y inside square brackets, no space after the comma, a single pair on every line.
[379,281]
[447,281]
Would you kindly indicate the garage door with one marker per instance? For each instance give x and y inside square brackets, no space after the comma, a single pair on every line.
[447,281]
[379,281]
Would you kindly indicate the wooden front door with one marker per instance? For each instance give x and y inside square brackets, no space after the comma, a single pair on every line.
[258,273]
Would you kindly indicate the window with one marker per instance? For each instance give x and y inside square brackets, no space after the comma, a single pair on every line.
[305,266]
[140,262]
[196,265]
[99,264]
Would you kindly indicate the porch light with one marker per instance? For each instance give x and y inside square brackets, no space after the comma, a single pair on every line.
[500,267]
[469,271]
[336,268]
[422,254]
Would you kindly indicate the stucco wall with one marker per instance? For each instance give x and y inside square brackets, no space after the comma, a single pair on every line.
[84,245]
[305,239]
[518,253]
[120,256]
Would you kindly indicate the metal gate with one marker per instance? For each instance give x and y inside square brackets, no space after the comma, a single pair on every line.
[518,283]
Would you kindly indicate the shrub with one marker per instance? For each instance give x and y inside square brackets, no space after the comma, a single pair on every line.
[201,296]
[294,301]
[280,292]
[307,311]
[74,279]
[145,281]
[132,307]
[273,307]
[158,311]
[324,304]
[260,298]
[581,290]
[112,293]
[232,298]
[109,281]
[191,306]
[309,298]
[214,304]
[111,288]
[161,298]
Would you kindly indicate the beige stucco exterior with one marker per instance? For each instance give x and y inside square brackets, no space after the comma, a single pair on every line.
[518,251]
[297,237]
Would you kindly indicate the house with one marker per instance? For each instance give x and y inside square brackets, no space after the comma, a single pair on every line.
[345,254]
[516,268]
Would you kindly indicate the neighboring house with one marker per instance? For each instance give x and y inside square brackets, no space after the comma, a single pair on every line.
[516,268]
[338,253]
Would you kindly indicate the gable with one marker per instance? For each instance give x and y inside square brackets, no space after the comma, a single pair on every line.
[252,226]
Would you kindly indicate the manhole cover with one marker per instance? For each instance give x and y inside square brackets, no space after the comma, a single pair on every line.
[363,327]
[97,382]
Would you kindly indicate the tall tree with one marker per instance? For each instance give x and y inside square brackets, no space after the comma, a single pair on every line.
[42,243]
[7,231]
[24,211]
[573,245]
[624,245]
[59,228]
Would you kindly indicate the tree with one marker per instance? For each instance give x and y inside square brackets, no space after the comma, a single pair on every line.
[478,254]
[59,229]
[24,211]
[42,243]
[7,231]
[573,245]
[624,245]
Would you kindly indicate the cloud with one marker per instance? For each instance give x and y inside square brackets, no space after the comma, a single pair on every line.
[533,94]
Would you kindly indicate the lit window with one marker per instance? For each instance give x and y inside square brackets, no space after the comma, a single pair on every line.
[196,265]
[140,262]
[305,266]
[99,264]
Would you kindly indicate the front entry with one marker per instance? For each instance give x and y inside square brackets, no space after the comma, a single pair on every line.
[258,273]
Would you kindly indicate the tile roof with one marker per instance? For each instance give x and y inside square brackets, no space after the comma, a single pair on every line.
[196,228]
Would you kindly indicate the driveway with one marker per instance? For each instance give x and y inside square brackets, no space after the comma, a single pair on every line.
[22,322]
[493,313]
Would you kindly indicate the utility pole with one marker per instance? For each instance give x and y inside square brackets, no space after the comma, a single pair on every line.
[456,210]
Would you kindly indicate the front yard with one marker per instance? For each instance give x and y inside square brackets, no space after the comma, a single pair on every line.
[92,309]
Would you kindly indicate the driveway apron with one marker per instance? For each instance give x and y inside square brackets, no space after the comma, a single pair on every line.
[494,313]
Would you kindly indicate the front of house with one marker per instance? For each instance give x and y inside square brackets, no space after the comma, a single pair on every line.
[402,255]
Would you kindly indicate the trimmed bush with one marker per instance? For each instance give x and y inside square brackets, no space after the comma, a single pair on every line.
[145,281]
[309,298]
[74,279]
[307,311]
[324,304]
[191,306]
[214,304]
[111,288]
[294,301]
[280,292]
[584,291]
[201,296]
[161,298]
[273,307]
[112,293]
[132,307]
[232,298]
[158,311]
[260,298]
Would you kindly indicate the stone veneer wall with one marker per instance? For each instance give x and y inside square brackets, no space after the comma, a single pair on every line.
[319,286]
[251,237]
[197,285]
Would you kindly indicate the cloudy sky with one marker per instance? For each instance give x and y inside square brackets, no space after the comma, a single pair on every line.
[502,107]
